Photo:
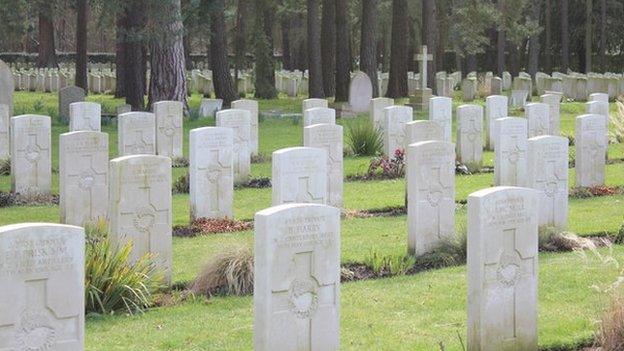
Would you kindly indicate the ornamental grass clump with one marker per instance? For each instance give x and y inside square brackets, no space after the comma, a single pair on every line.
[112,282]
[364,140]
[228,273]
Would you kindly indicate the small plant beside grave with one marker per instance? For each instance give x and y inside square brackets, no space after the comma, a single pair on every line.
[228,273]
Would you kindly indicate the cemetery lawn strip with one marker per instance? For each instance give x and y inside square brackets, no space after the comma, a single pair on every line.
[401,313]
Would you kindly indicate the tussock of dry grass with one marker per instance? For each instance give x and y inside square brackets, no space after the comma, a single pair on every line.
[611,334]
[229,273]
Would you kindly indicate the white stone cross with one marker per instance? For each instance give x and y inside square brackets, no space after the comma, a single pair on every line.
[422,59]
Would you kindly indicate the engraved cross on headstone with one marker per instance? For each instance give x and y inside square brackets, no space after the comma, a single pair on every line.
[87,179]
[397,133]
[303,193]
[551,183]
[212,177]
[514,154]
[473,133]
[436,191]
[596,159]
[138,145]
[422,59]
[139,220]
[303,297]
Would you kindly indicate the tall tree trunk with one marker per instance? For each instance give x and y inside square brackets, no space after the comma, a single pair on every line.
[514,62]
[603,35]
[343,52]
[81,43]
[286,56]
[589,4]
[565,35]
[134,54]
[120,63]
[315,69]
[534,47]
[397,84]
[167,62]
[328,46]
[46,50]
[186,41]
[239,37]
[442,28]
[368,46]
[500,43]
[471,63]
[221,78]
[263,51]
[548,37]
[430,38]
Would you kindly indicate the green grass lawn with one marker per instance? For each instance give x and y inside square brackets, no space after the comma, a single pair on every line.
[401,313]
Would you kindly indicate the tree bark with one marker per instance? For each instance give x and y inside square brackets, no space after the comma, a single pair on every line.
[430,38]
[328,46]
[120,62]
[397,83]
[589,4]
[565,35]
[534,47]
[315,69]
[500,44]
[81,44]
[442,29]
[548,37]
[343,52]
[239,37]
[46,50]
[167,61]
[368,46]
[134,54]
[221,78]
[263,50]
[286,57]
[603,35]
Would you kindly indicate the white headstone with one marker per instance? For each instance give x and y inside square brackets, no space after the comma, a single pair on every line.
[495,107]
[599,97]
[85,116]
[330,138]
[376,110]
[211,182]
[83,177]
[417,131]
[299,175]
[169,131]
[518,98]
[440,111]
[240,122]
[31,168]
[136,133]
[591,147]
[4,132]
[6,86]
[319,115]
[430,195]
[297,278]
[470,135]
[312,103]
[538,119]
[502,269]
[140,206]
[360,92]
[42,287]
[209,107]
[252,107]
[548,174]
[554,115]
[600,108]
[510,159]
[66,97]
[395,119]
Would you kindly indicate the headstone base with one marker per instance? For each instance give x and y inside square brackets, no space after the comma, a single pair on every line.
[343,110]
[420,100]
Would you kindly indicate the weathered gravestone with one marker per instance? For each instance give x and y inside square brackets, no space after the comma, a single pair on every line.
[240,122]
[502,269]
[599,97]
[169,132]
[121,109]
[209,107]
[211,182]
[136,134]
[360,92]
[252,107]
[554,115]
[469,89]
[420,100]
[536,114]
[430,195]
[140,207]
[299,175]
[297,278]
[85,116]
[495,108]
[31,168]
[67,96]
[417,131]
[496,86]
[319,115]
[42,287]
[83,177]
[330,138]
[312,103]
[510,155]
[395,119]
[470,135]
[518,98]
[4,132]
[6,86]
[376,110]
[440,112]
[600,108]
[548,174]
[591,146]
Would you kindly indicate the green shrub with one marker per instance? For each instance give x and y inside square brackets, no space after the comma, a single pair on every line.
[364,140]
[181,185]
[5,167]
[112,283]
[389,265]
[449,253]
[619,236]
[229,273]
